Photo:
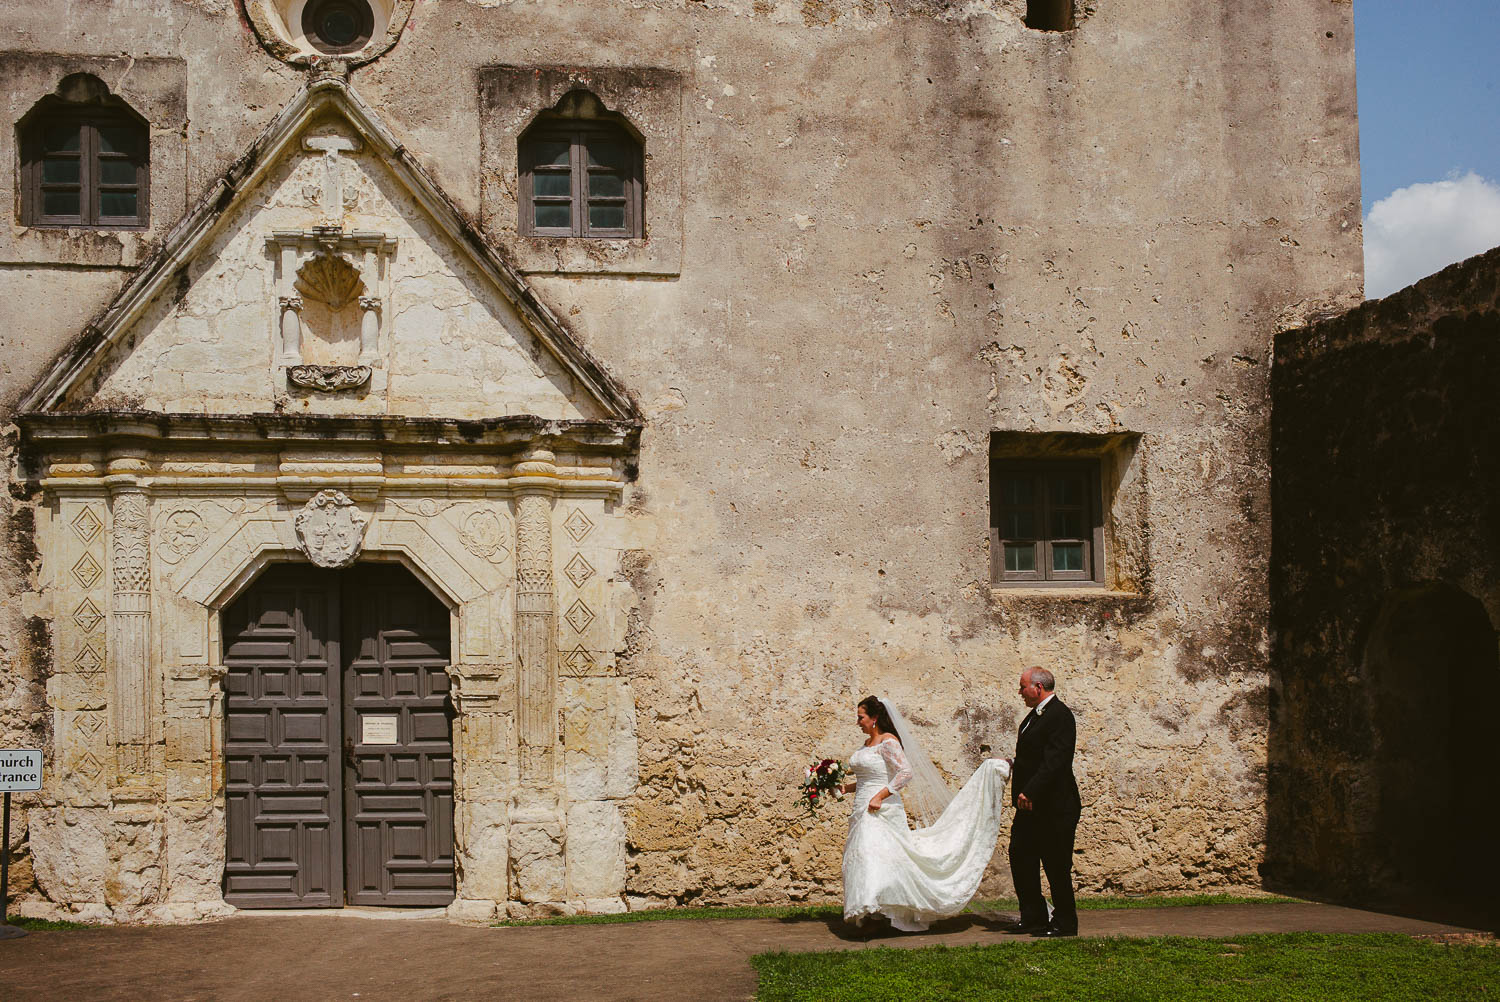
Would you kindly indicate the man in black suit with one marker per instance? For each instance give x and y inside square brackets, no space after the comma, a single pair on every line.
[1045,797]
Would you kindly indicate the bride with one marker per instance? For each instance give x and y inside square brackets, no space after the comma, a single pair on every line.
[914,877]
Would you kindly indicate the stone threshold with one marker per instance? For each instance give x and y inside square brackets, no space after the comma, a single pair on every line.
[439,914]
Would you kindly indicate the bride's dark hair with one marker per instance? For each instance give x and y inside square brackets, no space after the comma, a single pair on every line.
[877,712]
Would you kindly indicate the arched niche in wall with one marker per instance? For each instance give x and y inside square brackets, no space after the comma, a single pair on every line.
[581,171]
[1429,796]
[331,283]
[85,159]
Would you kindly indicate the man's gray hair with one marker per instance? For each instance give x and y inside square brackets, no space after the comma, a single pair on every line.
[1043,678]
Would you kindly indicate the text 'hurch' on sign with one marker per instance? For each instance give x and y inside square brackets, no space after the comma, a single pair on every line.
[20,770]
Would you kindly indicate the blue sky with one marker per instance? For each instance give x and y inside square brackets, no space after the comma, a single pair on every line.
[1429,119]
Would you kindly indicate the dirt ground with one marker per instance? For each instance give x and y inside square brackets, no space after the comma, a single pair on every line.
[268,957]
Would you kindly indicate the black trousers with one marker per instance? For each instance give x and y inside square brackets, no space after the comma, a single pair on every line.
[1044,842]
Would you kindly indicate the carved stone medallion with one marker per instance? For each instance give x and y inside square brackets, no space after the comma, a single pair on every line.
[181,532]
[483,534]
[328,378]
[331,529]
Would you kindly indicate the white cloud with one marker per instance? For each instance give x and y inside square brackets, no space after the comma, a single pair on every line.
[1423,228]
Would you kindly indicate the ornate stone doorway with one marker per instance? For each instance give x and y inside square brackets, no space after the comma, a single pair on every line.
[338,740]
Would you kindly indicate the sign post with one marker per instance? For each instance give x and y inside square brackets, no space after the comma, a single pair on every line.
[20,772]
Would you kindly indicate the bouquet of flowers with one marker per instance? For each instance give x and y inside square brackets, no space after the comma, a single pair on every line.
[823,780]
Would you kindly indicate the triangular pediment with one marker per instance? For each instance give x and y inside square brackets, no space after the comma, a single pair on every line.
[326,273]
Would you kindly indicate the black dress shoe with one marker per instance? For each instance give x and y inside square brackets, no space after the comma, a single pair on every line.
[1056,933]
[1017,929]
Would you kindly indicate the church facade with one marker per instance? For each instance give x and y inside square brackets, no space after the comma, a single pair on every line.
[465,455]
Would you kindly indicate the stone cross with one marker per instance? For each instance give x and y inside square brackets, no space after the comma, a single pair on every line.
[333,173]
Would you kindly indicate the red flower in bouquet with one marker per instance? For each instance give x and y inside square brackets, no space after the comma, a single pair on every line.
[821,780]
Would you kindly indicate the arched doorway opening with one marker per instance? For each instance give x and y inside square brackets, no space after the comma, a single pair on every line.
[338,740]
[1434,686]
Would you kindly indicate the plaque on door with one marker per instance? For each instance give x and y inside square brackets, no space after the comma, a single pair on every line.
[378,730]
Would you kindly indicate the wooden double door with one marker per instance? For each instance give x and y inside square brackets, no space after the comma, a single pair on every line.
[338,741]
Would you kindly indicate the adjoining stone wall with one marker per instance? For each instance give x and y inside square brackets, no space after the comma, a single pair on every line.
[1386,593]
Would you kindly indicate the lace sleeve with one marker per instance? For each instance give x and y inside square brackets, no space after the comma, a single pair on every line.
[896,764]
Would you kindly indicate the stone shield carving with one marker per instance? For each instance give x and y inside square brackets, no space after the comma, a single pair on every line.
[331,529]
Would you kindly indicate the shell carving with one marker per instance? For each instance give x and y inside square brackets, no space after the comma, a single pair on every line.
[329,279]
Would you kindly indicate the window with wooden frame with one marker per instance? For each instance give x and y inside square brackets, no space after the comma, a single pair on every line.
[581,179]
[85,167]
[1046,525]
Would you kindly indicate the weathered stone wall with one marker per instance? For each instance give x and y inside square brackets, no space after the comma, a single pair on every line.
[447,345]
[903,227]
[1386,587]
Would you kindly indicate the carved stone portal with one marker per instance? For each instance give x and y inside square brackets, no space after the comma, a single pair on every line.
[331,529]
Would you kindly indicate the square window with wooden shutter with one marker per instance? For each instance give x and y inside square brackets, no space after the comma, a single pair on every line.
[581,179]
[85,167]
[1046,524]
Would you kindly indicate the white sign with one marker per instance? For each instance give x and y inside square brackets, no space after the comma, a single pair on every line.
[378,730]
[20,770]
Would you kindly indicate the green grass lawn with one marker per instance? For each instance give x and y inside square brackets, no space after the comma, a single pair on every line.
[36,924]
[1266,968]
[823,911]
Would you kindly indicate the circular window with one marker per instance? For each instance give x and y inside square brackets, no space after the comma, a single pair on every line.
[338,26]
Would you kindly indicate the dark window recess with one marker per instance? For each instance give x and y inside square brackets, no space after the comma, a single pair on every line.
[338,26]
[85,168]
[581,181]
[1050,15]
[1045,524]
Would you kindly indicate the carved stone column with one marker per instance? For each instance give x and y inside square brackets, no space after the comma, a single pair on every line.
[538,869]
[536,609]
[485,701]
[130,632]
[369,327]
[291,326]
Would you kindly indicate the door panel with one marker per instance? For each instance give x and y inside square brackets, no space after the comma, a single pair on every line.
[398,787]
[284,815]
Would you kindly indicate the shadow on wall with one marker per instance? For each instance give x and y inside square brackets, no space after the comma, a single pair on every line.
[1429,799]
[1383,775]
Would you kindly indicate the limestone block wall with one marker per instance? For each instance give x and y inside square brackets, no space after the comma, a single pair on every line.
[1387,595]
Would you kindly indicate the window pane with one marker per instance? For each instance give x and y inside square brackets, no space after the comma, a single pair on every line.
[117,203]
[607,217]
[1067,524]
[606,185]
[62,138]
[604,154]
[1016,490]
[116,172]
[117,139]
[554,216]
[60,203]
[1067,490]
[1067,556]
[1020,557]
[60,171]
[552,184]
[1020,524]
[554,154]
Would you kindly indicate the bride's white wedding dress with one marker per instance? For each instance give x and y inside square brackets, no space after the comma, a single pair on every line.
[916,877]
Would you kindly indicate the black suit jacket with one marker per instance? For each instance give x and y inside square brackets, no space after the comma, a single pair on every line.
[1043,769]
